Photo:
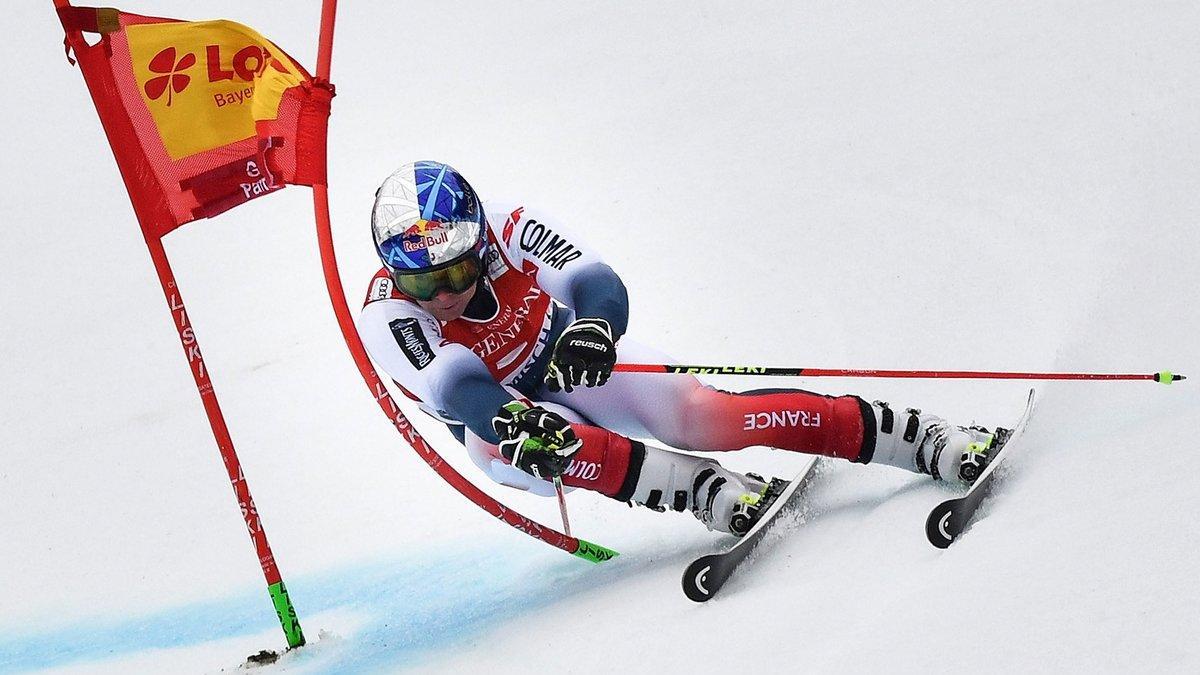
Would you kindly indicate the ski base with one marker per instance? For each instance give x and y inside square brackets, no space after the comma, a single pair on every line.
[706,575]
[948,519]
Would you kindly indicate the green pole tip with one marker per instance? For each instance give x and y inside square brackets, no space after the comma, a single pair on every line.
[1167,377]
[594,552]
[287,615]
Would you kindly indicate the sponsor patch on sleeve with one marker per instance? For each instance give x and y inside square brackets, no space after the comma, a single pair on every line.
[412,342]
[496,267]
[381,289]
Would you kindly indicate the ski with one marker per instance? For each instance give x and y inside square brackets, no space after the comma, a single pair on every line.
[948,519]
[705,576]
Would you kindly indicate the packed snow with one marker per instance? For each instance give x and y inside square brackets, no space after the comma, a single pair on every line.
[971,185]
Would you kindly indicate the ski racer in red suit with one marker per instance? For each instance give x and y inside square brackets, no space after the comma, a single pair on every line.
[506,326]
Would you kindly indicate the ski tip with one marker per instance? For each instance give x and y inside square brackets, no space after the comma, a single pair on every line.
[697,585]
[942,527]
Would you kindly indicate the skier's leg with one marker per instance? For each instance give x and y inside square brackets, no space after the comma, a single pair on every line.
[925,443]
[684,413]
[629,471]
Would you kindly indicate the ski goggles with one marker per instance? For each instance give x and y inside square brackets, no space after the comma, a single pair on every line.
[455,276]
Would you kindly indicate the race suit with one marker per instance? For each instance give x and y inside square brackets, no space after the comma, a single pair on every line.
[537,278]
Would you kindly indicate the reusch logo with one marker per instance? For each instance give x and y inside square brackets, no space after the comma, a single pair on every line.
[172,81]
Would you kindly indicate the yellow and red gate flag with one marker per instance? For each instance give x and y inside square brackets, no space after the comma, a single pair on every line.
[201,115]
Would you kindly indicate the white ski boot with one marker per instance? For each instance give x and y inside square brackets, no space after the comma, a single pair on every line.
[723,500]
[929,444]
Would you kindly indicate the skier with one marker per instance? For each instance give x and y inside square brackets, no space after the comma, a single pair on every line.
[506,326]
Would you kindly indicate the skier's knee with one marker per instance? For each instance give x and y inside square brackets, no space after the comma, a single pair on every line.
[690,427]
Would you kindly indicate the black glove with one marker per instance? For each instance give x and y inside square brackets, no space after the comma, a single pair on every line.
[584,354]
[535,440]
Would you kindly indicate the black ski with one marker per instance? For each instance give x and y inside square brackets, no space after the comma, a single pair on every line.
[705,576]
[948,519]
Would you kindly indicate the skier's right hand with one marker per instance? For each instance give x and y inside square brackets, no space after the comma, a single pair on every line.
[535,440]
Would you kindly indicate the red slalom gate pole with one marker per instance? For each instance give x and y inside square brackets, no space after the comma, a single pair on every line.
[288,621]
[152,227]
[325,38]
[1164,377]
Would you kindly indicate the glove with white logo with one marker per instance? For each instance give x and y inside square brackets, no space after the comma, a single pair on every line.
[535,440]
[584,354]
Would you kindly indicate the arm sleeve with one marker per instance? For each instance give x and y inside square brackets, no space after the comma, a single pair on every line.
[597,291]
[566,267]
[448,377]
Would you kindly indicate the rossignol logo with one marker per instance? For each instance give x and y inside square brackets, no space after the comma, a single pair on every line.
[411,338]
[781,418]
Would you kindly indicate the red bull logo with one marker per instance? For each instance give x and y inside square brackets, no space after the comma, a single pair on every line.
[423,235]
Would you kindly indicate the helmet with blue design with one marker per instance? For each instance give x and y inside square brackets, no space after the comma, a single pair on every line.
[429,229]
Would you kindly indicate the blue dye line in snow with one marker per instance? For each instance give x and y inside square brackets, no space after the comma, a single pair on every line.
[411,605]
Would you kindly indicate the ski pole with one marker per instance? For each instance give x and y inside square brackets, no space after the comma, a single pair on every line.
[1164,377]
[562,504]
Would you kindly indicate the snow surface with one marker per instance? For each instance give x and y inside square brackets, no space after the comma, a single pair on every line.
[840,184]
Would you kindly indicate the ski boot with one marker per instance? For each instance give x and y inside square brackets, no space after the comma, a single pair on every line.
[928,444]
[723,500]
[730,502]
[961,452]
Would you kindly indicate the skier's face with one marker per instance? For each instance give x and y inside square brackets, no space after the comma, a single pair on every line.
[448,305]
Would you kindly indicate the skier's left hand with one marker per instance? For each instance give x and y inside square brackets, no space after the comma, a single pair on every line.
[584,354]
[539,442]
